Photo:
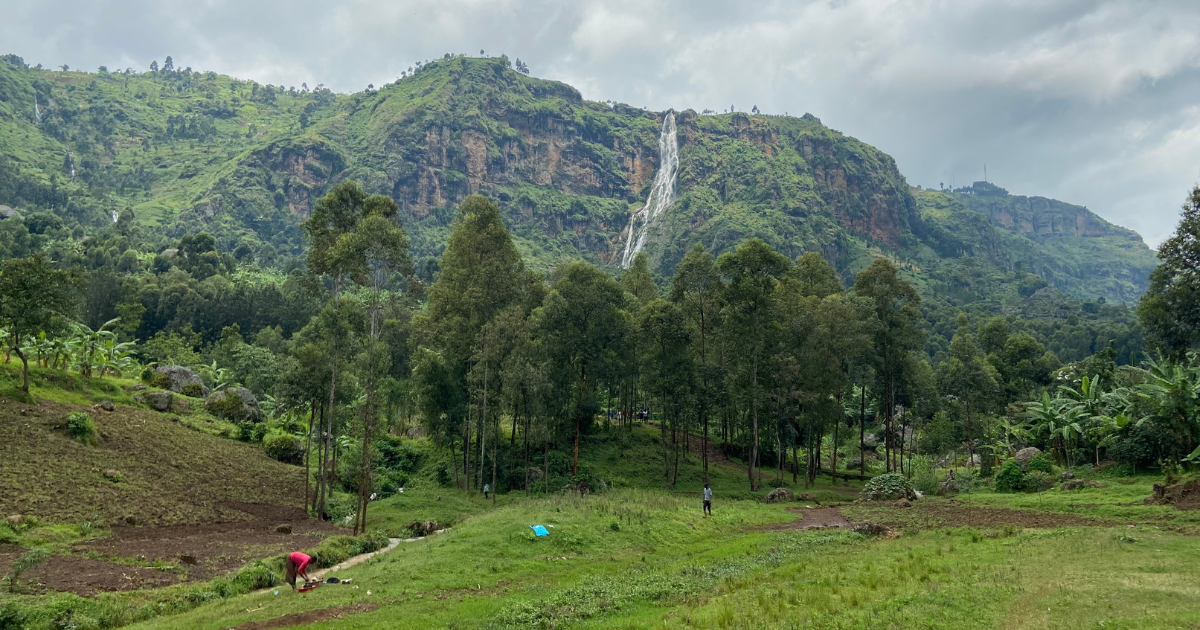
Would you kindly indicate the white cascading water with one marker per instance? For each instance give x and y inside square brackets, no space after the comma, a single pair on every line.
[36,112]
[662,193]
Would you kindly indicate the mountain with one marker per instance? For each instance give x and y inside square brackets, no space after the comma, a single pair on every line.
[187,151]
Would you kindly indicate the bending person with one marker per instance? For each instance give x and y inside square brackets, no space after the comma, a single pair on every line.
[296,564]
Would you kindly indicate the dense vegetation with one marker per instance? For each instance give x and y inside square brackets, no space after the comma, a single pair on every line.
[312,272]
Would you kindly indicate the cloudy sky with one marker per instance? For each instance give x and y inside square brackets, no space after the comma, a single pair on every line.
[1092,102]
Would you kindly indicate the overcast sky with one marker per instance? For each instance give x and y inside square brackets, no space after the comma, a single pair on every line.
[1096,103]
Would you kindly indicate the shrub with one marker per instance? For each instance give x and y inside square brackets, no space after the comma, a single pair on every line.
[283,447]
[397,454]
[1010,477]
[81,427]
[227,405]
[193,390]
[443,473]
[147,375]
[923,476]
[888,486]
[337,549]
[1040,462]
[390,482]
[1037,481]
[161,381]
[27,562]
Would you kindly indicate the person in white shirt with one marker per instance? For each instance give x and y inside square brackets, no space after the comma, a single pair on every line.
[707,501]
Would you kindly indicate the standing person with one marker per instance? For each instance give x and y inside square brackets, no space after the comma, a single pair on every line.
[707,501]
[487,488]
[296,564]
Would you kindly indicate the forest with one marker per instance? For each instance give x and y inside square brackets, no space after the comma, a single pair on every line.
[770,360]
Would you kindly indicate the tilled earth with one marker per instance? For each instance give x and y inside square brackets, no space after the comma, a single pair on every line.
[927,514]
[148,557]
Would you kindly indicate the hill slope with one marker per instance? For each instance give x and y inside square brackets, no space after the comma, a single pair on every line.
[189,151]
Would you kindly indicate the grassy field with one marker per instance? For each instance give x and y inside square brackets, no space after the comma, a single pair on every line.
[638,555]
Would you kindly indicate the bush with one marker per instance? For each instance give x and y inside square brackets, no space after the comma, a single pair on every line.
[1010,477]
[283,447]
[888,486]
[443,473]
[228,406]
[397,454]
[193,390]
[161,381]
[923,476]
[1037,481]
[337,510]
[1041,462]
[147,375]
[337,549]
[389,482]
[81,427]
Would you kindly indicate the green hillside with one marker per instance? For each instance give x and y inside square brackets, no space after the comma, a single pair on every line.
[184,151]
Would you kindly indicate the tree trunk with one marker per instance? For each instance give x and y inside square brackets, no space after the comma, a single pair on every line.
[483,418]
[312,412]
[754,429]
[24,367]
[862,431]
[833,456]
[526,436]
[578,420]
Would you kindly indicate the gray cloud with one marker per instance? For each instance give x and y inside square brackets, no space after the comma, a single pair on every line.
[1096,103]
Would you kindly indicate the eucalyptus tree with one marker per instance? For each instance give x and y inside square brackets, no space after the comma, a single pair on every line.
[380,248]
[752,273]
[1170,309]
[664,334]
[895,303]
[584,324]
[972,380]
[697,288]
[441,399]
[34,297]
[481,275]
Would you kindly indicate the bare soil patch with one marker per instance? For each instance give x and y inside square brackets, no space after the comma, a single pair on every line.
[812,518]
[203,551]
[1184,496]
[954,513]
[86,577]
[309,617]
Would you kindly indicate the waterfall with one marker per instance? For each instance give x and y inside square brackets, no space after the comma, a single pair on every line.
[114,216]
[36,112]
[662,193]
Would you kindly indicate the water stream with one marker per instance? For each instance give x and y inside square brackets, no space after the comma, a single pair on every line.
[662,193]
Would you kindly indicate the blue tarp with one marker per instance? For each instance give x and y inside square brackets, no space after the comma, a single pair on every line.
[539,530]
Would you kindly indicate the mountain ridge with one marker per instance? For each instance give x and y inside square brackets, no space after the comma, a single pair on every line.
[190,151]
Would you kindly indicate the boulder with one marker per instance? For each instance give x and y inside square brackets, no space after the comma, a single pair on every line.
[870,529]
[870,441]
[422,528]
[903,503]
[810,497]
[780,495]
[1024,455]
[217,406]
[948,487]
[1066,474]
[158,401]
[179,376]
[16,520]
[1079,484]
[107,405]
[283,529]
[112,475]
[7,212]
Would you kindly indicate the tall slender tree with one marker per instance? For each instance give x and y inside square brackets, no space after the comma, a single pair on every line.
[753,272]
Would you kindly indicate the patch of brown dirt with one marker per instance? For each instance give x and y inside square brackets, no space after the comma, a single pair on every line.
[86,577]
[215,548]
[309,617]
[814,518]
[1184,496]
[954,513]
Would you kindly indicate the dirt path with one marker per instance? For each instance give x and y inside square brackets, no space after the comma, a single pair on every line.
[359,559]
[813,518]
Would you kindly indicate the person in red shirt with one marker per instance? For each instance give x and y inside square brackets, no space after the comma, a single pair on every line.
[296,564]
